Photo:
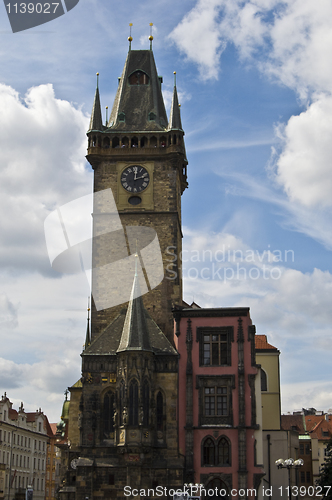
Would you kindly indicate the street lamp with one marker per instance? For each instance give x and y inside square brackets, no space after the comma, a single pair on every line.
[288,464]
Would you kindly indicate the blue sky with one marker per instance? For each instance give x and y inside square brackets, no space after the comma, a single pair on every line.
[254,82]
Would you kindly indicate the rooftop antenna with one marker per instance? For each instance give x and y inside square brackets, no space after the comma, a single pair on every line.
[151,37]
[130,38]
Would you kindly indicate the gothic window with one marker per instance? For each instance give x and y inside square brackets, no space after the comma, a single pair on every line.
[138,78]
[160,411]
[215,401]
[146,403]
[215,345]
[208,452]
[108,412]
[121,400]
[223,451]
[133,403]
[115,142]
[263,380]
[218,486]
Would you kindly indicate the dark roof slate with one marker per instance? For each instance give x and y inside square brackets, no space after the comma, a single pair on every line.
[138,101]
[108,341]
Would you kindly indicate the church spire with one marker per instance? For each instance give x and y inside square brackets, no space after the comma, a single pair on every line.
[134,335]
[174,117]
[96,122]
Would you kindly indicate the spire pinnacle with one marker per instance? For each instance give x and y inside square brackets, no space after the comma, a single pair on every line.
[96,122]
[106,115]
[88,336]
[174,73]
[151,37]
[130,38]
[175,117]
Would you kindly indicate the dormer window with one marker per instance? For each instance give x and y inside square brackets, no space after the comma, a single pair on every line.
[139,78]
[122,117]
[152,116]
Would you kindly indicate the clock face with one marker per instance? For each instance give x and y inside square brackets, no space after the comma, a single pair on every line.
[135,179]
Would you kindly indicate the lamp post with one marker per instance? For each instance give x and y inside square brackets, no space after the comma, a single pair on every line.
[289,463]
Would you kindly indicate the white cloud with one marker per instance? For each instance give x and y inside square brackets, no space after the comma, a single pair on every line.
[233,274]
[304,166]
[42,143]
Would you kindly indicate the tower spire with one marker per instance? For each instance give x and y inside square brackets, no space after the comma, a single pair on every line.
[88,336]
[134,335]
[96,122]
[175,117]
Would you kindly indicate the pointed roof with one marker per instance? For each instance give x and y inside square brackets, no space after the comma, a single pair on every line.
[134,335]
[139,99]
[88,336]
[96,121]
[175,117]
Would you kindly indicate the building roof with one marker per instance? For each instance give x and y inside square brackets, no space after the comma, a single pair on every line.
[319,426]
[293,423]
[140,104]
[96,121]
[261,343]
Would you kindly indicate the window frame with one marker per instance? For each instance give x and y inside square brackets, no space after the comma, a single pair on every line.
[226,337]
[215,381]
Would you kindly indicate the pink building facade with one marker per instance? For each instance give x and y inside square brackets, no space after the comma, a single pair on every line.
[219,400]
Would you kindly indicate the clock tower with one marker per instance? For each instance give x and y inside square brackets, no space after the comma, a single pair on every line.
[139,156]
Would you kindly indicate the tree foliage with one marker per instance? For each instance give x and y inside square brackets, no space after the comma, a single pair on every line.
[325,477]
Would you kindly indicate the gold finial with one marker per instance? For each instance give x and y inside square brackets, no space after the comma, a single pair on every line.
[97,79]
[130,38]
[151,37]
[106,115]
[174,73]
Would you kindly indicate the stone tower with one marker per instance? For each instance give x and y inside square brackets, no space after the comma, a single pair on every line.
[140,156]
[122,425]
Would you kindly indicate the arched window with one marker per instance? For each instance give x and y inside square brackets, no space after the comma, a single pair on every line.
[153,142]
[146,403]
[108,412]
[133,403]
[121,400]
[106,142]
[160,411]
[208,452]
[218,486]
[115,142]
[138,78]
[263,380]
[134,142]
[223,452]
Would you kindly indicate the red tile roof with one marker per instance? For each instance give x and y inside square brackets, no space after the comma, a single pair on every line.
[262,343]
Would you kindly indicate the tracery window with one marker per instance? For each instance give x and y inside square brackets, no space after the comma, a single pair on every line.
[108,412]
[133,403]
[139,78]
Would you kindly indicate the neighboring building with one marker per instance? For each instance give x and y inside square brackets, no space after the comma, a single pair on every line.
[52,465]
[219,412]
[277,443]
[319,428]
[23,450]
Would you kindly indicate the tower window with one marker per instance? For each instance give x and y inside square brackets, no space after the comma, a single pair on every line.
[152,116]
[146,403]
[160,411]
[108,412]
[122,117]
[139,78]
[133,403]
